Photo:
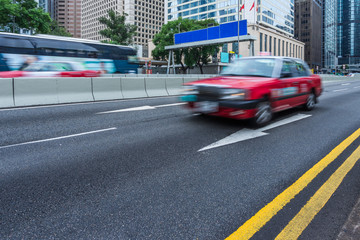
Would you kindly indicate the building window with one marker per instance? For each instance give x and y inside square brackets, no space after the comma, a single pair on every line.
[279,53]
[235,47]
[225,48]
[290,53]
[283,50]
[274,46]
[265,42]
[270,42]
[287,49]
[293,50]
[261,42]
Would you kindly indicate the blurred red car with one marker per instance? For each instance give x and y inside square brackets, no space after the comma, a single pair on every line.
[52,69]
[254,88]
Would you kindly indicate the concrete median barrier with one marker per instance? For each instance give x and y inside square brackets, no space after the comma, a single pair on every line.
[74,90]
[35,91]
[6,93]
[155,87]
[105,88]
[190,79]
[133,87]
[174,85]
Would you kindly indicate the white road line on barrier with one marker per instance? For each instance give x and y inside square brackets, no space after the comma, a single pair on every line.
[340,90]
[58,138]
[247,134]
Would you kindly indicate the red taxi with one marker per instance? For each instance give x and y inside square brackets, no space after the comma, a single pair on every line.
[255,88]
[52,69]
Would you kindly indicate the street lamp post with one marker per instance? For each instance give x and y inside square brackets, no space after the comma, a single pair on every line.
[238,31]
[13,17]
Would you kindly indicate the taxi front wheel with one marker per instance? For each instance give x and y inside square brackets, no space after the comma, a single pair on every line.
[311,101]
[263,114]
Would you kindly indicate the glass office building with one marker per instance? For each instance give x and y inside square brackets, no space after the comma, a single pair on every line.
[329,54]
[348,31]
[275,14]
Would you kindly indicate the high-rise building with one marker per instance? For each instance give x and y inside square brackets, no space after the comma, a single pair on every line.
[348,31]
[265,12]
[43,4]
[308,19]
[147,15]
[47,6]
[329,53]
[51,8]
[68,15]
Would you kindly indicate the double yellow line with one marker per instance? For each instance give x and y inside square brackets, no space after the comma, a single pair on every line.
[298,224]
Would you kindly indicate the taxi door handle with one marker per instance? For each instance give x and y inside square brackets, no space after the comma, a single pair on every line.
[296,82]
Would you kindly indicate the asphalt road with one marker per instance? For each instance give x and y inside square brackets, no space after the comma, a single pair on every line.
[81,172]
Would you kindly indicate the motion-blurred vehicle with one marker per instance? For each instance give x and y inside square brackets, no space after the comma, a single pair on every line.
[255,88]
[17,50]
[52,69]
[353,75]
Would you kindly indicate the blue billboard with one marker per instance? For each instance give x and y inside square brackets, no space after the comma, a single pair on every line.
[222,31]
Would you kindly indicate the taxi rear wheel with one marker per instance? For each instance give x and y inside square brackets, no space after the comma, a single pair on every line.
[263,114]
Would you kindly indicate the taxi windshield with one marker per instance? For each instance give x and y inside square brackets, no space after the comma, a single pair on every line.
[255,67]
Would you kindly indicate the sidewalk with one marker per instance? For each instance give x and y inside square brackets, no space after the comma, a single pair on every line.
[351,229]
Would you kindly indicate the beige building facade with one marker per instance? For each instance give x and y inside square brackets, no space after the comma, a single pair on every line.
[68,15]
[271,42]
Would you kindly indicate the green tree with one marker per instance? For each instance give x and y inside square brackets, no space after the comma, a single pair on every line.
[57,30]
[23,14]
[117,30]
[186,57]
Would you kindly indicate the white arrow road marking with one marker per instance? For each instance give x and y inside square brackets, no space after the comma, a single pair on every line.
[141,108]
[246,134]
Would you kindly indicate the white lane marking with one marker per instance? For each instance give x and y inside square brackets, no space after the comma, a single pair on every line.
[170,105]
[340,90]
[74,104]
[357,87]
[129,109]
[141,108]
[345,84]
[57,138]
[246,134]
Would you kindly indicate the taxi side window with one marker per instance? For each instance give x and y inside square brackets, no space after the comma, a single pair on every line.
[58,67]
[301,70]
[288,70]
